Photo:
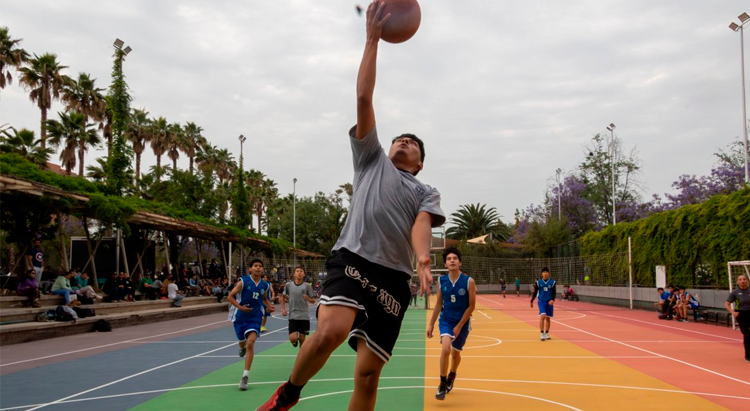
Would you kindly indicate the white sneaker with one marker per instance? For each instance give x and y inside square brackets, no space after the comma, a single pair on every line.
[546,335]
[542,337]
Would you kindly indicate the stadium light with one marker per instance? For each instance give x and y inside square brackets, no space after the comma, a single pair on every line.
[294,218]
[119,43]
[744,19]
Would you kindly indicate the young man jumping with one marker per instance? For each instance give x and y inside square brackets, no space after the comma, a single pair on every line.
[299,293]
[456,298]
[247,313]
[546,290]
[390,218]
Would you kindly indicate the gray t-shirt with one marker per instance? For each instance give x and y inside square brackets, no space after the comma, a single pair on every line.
[743,296]
[385,204]
[298,308]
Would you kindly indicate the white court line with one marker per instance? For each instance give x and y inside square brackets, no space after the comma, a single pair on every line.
[660,355]
[545,357]
[109,345]
[626,341]
[662,324]
[574,384]
[421,387]
[136,375]
[480,312]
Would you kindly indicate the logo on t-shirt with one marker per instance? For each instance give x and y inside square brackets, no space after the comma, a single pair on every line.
[420,190]
[461,291]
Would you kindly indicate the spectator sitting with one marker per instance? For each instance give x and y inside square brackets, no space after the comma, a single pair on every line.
[28,289]
[685,301]
[663,303]
[165,287]
[83,288]
[112,288]
[62,287]
[128,289]
[206,287]
[174,294]
[145,284]
[154,290]
[194,286]
[569,294]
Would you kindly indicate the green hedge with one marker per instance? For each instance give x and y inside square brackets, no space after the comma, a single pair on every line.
[111,209]
[689,241]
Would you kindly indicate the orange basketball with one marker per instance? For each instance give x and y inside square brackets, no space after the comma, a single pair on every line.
[404,21]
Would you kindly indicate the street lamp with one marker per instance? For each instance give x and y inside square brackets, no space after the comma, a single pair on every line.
[241,218]
[612,153]
[294,217]
[559,195]
[123,52]
[744,20]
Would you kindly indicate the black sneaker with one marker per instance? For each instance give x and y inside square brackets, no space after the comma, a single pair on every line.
[278,401]
[440,394]
[449,382]
[294,344]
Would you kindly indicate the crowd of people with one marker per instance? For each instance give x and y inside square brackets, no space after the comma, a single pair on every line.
[675,302]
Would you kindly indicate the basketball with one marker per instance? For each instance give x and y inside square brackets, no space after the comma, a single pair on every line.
[404,21]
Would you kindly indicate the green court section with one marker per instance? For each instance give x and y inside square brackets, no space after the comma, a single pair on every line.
[330,389]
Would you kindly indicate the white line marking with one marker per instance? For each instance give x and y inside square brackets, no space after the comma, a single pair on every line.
[136,375]
[662,325]
[546,357]
[457,389]
[480,312]
[575,384]
[660,355]
[109,345]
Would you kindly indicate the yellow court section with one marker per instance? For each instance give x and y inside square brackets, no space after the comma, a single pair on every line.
[505,366]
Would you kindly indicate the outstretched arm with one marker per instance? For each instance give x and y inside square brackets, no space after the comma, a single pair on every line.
[366,76]
[421,239]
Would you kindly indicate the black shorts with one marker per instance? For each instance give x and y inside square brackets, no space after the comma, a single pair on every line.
[380,294]
[299,326]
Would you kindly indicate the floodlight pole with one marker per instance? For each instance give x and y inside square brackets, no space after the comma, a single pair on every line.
[559,195]
[744,20]
[613,151]
[294,218]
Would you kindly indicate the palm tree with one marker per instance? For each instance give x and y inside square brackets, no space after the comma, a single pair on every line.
[224,164]
[25,143]
[474,220]
[10,56]
[84,97]
[174,143]
[78,136]
[138,133]
[45,81]
[99,172]
[205,158]
[158,139]
[192,142]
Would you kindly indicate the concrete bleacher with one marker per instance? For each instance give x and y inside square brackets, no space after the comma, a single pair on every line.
[17,323]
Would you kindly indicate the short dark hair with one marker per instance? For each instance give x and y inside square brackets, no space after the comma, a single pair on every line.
[545,270]
[660,289]
[682,287]
[451,250]
[415,138]
[256,260]
[300,267]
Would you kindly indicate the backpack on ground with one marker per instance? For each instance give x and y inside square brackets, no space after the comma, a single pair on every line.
[85,300]
[102,326]
[84,312]
[51,315]
[42,318]
[65,313]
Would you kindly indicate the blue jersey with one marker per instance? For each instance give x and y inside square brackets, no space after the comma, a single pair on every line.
[545,289]
[251,296]
[455,297]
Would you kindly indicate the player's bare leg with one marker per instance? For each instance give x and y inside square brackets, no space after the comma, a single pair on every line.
[334,324]
[366,378]
[445,355]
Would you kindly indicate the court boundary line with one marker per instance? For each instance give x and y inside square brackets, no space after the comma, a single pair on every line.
[111,344]
[577,384]
[660,355]
[138,374]
[660,325]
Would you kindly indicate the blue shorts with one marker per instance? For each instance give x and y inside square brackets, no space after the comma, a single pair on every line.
[694,305]
[242,328]
[545,308]
[446,329]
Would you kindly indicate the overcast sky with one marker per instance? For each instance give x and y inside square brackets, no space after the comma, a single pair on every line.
[502,92]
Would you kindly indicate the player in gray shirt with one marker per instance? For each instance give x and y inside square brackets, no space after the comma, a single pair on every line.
[366,291]
[299,293]
[738,304]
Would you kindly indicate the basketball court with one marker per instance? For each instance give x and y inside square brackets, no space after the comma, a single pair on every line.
[599,358]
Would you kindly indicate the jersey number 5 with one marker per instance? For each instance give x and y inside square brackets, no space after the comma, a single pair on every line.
[453,298]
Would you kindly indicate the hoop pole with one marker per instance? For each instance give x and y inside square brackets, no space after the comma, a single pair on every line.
[729,273]
[630,269]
